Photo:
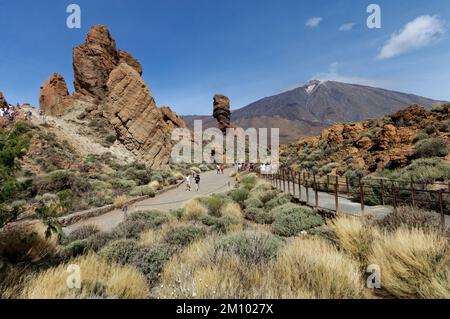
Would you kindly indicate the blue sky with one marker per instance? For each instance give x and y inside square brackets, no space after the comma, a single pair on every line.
[246,49]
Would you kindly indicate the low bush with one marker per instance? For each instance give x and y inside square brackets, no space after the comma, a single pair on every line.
[214,204]
[183,235]
[76,248]
[239,195]
[139,222]
[194,210]
[279,200]
[258,215]
[142,191]
[411,218]
[433,147]
[151,260]
[81,233]
[290,219]
[253,202]
[231,210]
[252,247]
[120,251]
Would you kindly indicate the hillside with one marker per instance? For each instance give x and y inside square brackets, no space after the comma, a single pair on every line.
[306,110]
[411,144]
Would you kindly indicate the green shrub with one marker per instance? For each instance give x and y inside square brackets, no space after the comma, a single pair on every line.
[81,233]
[258,215]
[123,183]
[279,200]
[151,260]
[120,251]
[290,219]
[239,195]
[420,137]
[267,196]
[142,191]
[412,218]
[184,235]
[139,222]
[100,240]
[253,202]
[252,247]
[214,203]
[248,181]
[433,147]
[425,170]
[57,180]
[354,175]
[76,248]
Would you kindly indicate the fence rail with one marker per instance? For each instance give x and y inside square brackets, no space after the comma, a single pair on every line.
[365,191]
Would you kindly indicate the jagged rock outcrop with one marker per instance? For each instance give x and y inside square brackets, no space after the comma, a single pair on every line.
[131,109]
[222,112]
[3,103]
[126,57]
[93,61]
[171,118]
[54,97]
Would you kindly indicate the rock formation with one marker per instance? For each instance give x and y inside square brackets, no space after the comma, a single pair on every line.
[108,81]
[131,109]
[54,97]
[3,103]
[222,112]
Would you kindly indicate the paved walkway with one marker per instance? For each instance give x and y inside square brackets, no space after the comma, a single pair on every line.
[210,183]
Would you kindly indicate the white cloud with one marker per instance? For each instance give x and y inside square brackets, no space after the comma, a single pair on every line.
[347,26]
[421,32]
[314,22]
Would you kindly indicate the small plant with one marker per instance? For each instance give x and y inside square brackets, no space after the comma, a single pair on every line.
[194,210]
[290,220]
[151,260]
[258,215]
[239,195]
[433,147]
[184,235]
[120,251]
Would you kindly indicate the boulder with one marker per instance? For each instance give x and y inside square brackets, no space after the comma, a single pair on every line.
[54,99]
[413,113]
[139,123]
[387,137]
[364,142]
[222,112]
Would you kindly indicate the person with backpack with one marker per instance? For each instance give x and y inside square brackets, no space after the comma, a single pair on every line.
[197,182]
[187,180]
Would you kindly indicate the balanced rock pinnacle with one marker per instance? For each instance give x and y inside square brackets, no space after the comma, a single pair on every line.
[222,112]
[54,98]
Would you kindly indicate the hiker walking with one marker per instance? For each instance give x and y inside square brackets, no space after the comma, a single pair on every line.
[197,182]
[222,168]
[217,169]
[187,180]
[125,210]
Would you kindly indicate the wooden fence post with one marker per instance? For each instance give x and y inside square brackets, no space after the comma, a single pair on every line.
[382,193]
[336,193]
[300,186]
[413,193]
[307,188]
[347,185]
[288,182]
[328,182]
[362,199]
[284,181]
[293,182]
[394,197]
[316,194]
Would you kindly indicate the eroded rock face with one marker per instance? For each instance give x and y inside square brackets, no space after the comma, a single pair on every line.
[54,97]
[3,103]
[126,57]
[171,118]
[222,112]
[93,61]
[131,109]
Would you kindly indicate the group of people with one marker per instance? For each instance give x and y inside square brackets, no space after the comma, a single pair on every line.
[12,113]
[187,181]
[220,169]
[245,167]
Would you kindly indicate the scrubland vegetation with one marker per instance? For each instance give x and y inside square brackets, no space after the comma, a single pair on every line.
[252,242]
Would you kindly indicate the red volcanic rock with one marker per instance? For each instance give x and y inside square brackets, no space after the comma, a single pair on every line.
[411,113]
[222,112]
[54,97]
[127,58]
[93,61]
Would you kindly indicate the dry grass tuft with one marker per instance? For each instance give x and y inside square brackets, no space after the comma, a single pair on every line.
[355,237]
[232,210]
[155,185]
[120,201]
[317,268]
[194,210]
[100,279]
[414,263]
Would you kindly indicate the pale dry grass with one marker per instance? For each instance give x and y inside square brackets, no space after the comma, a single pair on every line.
[153,237]
[155,185]
[314,267]
[232,210]
[194,210]
[100,279]
[120,201]
[26,241]
[304,269]
[414,263]
[355,237]
[233,174]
